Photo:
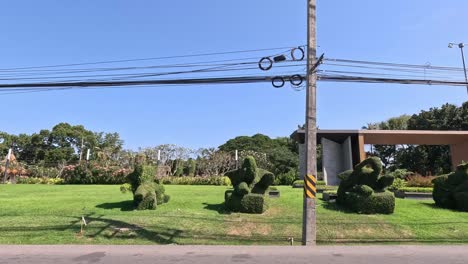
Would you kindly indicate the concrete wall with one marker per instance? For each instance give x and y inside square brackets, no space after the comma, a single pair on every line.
[347,154]
[336,158]
[459,153]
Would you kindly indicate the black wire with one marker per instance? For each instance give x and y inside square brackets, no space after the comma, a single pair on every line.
[396,64]
[146,59]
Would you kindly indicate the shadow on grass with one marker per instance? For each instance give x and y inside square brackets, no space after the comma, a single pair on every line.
[333,206]
[115,229]
[220,208]
[123,205]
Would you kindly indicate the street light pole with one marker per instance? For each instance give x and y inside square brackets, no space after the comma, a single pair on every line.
[461,46]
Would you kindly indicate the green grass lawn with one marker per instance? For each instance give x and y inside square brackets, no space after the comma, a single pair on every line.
[50,214]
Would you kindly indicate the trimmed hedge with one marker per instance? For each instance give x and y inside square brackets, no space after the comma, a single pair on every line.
[251,203]
[147,194]
[451,191]
[211,180]
[376,203]
[38,180]
[250,185]
[145,197]
[417,189]
[364,190]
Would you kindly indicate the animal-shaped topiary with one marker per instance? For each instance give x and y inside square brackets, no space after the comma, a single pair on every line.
[250,185]
[147,194]
[363,190]
[451,190]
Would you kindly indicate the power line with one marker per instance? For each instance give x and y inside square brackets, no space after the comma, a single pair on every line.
[147,59]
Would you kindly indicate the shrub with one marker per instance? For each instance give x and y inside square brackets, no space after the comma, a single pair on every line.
[364,191]
[344,175]
[191,167]
[298,183]
[401,173]
[250,185]
[147,194]
[92,173]
[397,184]
[126,187]
[286,178]
[145,197]
[417,189]
[36,180]
[42,172]
[377,203]
[198,180]
[451,190]
[141,174]
[419,181]
[254,203]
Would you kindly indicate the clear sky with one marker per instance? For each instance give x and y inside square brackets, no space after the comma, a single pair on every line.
[47,32]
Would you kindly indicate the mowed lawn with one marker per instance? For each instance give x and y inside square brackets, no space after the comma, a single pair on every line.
[51,214]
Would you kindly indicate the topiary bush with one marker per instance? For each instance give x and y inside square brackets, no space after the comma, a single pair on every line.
[250,185]
[147,194]
[363,190]
[451,190]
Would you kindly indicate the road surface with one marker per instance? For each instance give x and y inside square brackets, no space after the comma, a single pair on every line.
[234,254]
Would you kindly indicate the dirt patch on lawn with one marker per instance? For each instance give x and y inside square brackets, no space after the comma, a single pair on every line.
[248,229]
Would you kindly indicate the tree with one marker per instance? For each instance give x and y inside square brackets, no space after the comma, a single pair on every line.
[426,160]
[282,153]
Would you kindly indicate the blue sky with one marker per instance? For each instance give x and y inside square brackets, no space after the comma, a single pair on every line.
[49,32]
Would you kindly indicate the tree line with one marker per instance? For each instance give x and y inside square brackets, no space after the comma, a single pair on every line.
[67,144]
[423,159]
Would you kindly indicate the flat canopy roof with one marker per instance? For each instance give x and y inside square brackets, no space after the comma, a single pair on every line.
[391,137]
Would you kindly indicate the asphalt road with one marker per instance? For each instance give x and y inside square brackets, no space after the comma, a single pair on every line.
[234,254]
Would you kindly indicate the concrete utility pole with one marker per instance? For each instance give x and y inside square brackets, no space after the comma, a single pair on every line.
[308,219]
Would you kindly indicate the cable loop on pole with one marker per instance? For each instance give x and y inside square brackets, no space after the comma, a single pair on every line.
[293,54]
[263,61]
[278,82]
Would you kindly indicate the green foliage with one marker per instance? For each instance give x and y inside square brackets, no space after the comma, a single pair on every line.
[451,191]
[250,185]
[141,174]
[287,178]
[281,153]
[377,203]
[241,189]
[254,204]
[363,190]
[190,168]
[298,183]
[400,173]
[397,184]
[145,197]
[38,180]
[344,175]
[251,203]
[423,159]
[126,187]
[198,180]
[249,170]
[385,181]
[417,189]
[147,194]
[62,144]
